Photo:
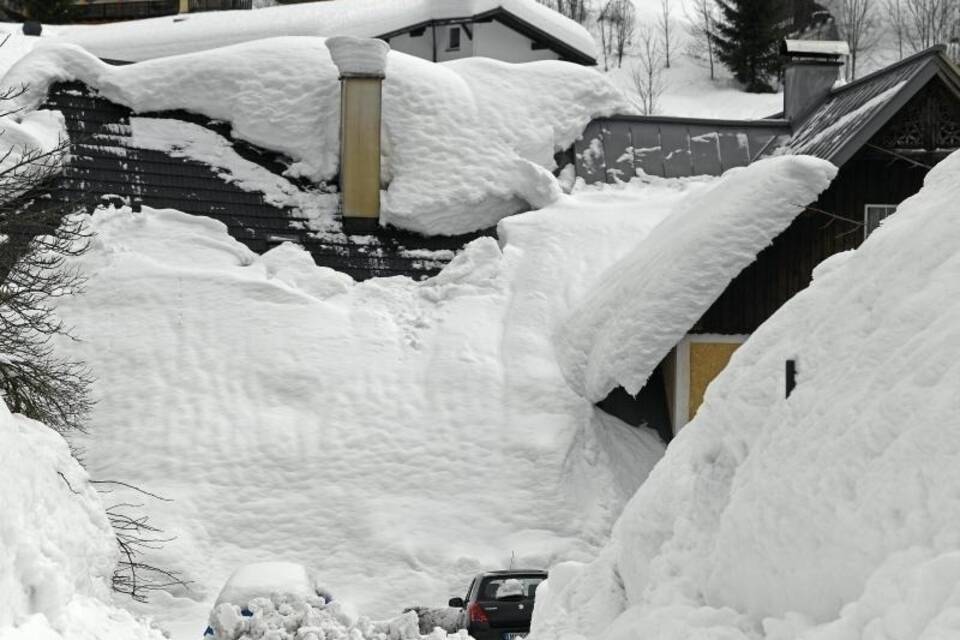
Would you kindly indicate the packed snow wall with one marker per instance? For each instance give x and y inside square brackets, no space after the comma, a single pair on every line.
[828,514]
[57,548]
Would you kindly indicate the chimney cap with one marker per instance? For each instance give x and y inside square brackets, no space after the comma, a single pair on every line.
[359,57]
[827,49]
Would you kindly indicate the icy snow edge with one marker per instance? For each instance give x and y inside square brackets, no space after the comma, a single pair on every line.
[646,303]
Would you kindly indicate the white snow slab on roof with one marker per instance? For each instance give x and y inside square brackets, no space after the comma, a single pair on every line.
[644,304]
[829,515]
[464,144]
[173,35]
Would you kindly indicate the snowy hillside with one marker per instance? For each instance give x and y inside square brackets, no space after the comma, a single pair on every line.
[828,515]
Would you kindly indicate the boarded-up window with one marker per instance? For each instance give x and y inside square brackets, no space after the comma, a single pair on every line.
[707,360]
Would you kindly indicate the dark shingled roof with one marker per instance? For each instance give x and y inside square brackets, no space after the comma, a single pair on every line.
[854,113]
[107,167]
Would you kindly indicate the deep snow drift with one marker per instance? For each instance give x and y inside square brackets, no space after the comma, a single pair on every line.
[396,436]
[57,551]
[831,515]
[463,144]
[647,302]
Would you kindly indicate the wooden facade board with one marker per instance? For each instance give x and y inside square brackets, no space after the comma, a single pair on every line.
[647,151]
[705,150]
[618,151]
[675,141]
[589,154]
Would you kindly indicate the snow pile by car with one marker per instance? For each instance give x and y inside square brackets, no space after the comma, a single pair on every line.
[464,144]
[286,601]
[828,514]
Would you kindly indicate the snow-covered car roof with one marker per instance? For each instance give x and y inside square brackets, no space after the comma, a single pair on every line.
[262,579]
[173,35]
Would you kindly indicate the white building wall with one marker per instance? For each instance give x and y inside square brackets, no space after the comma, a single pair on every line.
[444,53]
[420,46]
[495,40]
[490,39]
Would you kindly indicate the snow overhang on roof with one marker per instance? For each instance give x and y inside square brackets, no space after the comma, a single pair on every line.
[174,35]
[815,48]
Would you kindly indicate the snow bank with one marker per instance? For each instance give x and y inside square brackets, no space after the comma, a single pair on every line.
[647,302]
[464,144]
[174,35]
[57,550]
[311,618]
[398,436]
[831,515]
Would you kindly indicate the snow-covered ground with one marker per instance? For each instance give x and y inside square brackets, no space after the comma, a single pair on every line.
[832,514]
[396,436]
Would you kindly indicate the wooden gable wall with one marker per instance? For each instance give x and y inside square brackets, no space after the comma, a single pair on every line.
[889,169]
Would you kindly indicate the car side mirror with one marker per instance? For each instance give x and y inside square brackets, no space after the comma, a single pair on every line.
[456,603]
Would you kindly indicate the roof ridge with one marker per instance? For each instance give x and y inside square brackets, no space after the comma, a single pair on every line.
[934,51]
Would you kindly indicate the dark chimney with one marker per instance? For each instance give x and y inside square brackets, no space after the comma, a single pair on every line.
[810,71]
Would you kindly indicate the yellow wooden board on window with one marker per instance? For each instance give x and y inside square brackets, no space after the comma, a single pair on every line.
[707,360]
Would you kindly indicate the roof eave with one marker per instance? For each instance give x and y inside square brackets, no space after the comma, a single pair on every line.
[564,49]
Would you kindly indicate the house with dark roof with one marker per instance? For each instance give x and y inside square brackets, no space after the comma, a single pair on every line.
[884,131]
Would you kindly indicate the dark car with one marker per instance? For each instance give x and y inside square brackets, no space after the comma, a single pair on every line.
[499,604]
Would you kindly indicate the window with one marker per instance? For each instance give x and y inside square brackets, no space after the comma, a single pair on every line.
[454,43]
[490,587]
[873,214]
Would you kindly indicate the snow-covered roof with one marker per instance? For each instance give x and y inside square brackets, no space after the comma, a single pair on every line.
[853,113]
[620,147]
[466,142]
[174,35]
[645,303]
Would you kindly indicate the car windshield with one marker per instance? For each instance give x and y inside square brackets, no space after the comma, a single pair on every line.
[490,586]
